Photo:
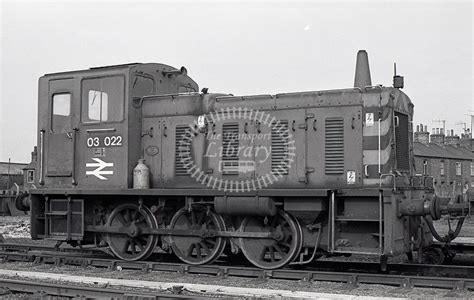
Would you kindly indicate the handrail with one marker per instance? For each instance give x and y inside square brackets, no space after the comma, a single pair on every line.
[98,130]
[243,98]
[333,221]
[137,101]
[379,143]
[381,222]
[386,175]
[41,160]
[74,137]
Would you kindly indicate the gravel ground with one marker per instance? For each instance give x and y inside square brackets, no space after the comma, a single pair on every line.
[320,287]
[15,229]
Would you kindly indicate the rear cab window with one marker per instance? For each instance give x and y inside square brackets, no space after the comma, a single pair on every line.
[60,121]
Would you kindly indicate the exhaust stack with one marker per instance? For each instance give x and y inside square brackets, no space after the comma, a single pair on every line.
[362,72]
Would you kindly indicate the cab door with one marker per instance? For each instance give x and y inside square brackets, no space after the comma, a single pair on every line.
[102,136]
[60,134]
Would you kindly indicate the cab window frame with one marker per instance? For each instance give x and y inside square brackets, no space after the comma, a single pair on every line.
[84,107]
[51,107]
[135,77]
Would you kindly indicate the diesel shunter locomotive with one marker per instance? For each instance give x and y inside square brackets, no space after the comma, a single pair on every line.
[134,158]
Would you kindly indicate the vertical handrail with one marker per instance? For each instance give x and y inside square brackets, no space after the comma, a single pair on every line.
[381,222]
[333,220]
[41,159]
[46,216]
[379,144]
[74,133]
[69,218]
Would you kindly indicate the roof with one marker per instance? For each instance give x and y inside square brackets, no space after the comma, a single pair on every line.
[15,168]
[100,68]
[433,150]
[30,166]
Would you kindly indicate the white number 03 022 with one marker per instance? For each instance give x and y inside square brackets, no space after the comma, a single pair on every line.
[115,140]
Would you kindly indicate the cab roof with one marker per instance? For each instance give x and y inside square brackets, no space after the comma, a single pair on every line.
[120,66]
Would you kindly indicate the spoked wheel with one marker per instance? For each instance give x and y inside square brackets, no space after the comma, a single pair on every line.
[272,253]
[196,250]
[131,244]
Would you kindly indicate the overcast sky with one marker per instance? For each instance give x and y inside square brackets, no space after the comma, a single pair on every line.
[240,48]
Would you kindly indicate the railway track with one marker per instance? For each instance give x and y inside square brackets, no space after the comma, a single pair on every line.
[351,273]
[42,289]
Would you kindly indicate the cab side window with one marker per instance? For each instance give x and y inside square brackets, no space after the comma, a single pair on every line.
[60,121]
[102,99]
[143,85]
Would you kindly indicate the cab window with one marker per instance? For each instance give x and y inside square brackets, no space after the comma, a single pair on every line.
[144,85]
[102,99]
[60,121]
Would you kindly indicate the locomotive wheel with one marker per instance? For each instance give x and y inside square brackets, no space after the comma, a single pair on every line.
[300,235]
[132,245]
[271,253]
[196,250]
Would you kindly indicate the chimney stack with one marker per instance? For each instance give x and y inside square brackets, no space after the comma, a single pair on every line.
[422,136]
[452,139]
[438,137]
[467,141]
[34,155]
[362,72]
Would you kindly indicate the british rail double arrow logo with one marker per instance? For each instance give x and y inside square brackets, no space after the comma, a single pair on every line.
[100,165]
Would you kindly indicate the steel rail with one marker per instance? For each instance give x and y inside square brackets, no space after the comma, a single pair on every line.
[38,247]
[74,291]
[353,273]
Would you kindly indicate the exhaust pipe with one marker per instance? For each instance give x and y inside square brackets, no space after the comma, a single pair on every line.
[362,72]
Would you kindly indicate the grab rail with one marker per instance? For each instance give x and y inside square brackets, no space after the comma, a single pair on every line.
[41,160]
[74,137]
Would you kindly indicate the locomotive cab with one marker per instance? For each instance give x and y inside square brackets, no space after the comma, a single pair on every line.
[89,129]
[90,135]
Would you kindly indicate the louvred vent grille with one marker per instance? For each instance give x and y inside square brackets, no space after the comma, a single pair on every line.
[280,148]
[182,150]
[334,146]
[230,147]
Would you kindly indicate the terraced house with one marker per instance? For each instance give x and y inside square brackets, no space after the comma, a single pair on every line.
[449,158]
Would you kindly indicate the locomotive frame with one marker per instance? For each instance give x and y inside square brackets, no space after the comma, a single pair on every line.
[351,190]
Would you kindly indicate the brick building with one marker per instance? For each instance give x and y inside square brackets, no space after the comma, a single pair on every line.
[21,174]
[29,173]
[448,158]
[11,173]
